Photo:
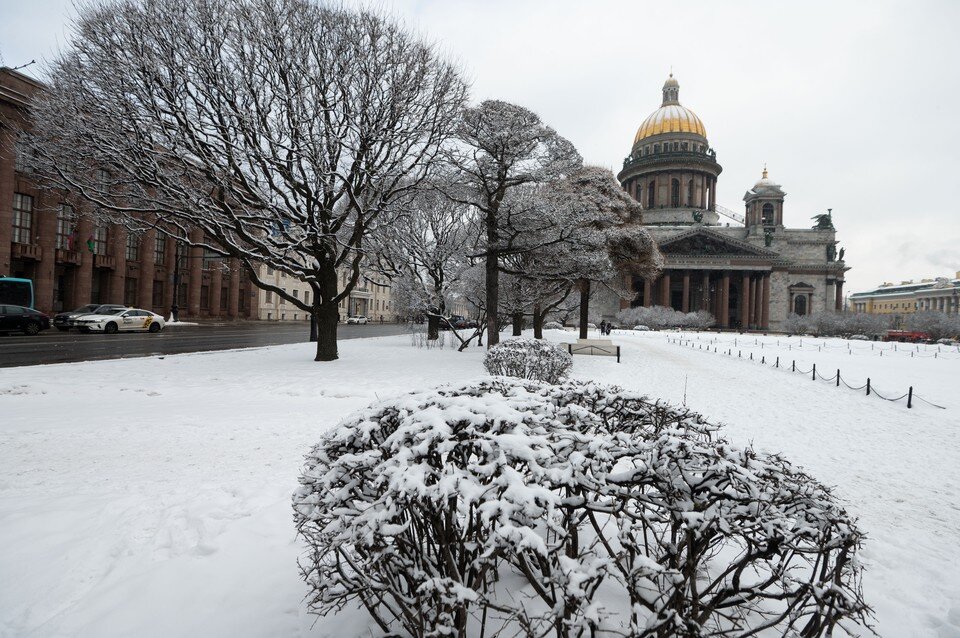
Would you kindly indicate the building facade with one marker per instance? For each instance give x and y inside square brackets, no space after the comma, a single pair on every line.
[938,295]
[75,260]
[749,275]
[371,298]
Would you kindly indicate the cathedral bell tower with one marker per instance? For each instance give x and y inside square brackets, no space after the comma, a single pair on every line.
[764,204]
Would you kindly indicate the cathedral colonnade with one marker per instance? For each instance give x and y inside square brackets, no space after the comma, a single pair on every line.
[737,298]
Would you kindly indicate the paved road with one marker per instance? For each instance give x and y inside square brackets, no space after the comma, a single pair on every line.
[52,346]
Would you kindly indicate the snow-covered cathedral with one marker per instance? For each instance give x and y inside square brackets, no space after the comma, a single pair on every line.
[749,271]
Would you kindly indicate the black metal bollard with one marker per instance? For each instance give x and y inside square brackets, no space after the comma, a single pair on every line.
[793,366]
[777,365]
[838,377]
[910,397]
[868,386]
[814,374]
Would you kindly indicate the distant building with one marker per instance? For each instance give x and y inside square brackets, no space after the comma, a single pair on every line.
[941,295]
[370,298]
[74,260]
[749,275]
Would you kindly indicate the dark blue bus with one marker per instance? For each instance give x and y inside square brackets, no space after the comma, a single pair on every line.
[16,292]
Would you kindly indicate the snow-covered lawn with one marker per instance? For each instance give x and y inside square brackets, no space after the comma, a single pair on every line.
[151,497]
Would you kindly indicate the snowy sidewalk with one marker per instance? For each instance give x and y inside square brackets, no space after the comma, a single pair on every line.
[150,497]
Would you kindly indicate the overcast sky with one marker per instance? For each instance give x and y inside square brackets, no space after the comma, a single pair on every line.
[852,105]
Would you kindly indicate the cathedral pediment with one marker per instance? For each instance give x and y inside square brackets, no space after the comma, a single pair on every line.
[702,242]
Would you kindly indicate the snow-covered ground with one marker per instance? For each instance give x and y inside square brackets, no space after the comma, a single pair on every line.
[151,497]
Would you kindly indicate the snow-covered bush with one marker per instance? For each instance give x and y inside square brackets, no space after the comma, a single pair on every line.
[553,325]
[511,507]
[659,317]
[533,359]
[937,325]
[835,324]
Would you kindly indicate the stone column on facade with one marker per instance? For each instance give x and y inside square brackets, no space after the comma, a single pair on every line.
[84,275]
[148,261]
[765,303]
[705,291]
[839,305]
[745,302]
[755,289]
[45,235]
[685,302]
[665,289]
[234,310]
[216,283]
[170,293]
[647,292]
[196,275]
[7,188]
[117,248]
[829,296]
[725,300]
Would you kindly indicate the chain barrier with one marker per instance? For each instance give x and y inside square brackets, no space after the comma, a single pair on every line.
[930,351]
[814,375]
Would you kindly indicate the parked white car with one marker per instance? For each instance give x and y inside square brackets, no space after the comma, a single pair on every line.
[641,327]
[859,338]
[121,320]
[358,319]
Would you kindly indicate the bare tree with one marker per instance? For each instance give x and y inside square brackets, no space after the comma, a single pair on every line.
[604,241]
[503,147]
[426,249]
[281,129]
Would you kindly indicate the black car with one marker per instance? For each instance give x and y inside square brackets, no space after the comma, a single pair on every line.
[67,320]
[20,319]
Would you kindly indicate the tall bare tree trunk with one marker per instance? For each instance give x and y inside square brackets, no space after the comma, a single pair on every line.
[433,327]
[537,322]
[326,313]
[517,324]
[584,306]
[492,271]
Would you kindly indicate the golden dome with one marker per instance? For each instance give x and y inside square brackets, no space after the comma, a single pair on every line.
[671,117]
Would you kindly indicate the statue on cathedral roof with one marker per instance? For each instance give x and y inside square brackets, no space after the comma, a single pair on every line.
[824,220]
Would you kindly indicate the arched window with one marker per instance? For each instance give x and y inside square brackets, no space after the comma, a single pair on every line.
[768,214]
[651,194]
[800,305]
[690,201]
[675,193]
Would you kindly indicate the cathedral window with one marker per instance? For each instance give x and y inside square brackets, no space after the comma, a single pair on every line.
[800,305]
[683,146]
[651,193]
[768,214]
[690,201]
[675,193]
[656,148]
